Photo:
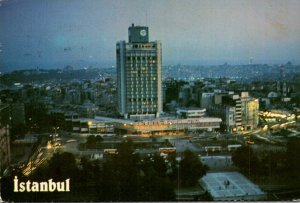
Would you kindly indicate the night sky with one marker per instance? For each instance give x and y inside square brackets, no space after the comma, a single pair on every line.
[83,33]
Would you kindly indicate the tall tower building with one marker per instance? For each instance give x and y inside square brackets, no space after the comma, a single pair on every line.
[283,81]
[139,75]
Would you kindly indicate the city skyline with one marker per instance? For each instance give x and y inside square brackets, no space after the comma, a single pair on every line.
[53,34]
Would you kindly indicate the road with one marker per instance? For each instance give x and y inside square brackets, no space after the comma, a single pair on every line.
[42,154]
[183,144]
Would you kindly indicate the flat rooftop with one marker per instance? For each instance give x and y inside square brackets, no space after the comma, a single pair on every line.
[191,109]
[231,186]
[121,120]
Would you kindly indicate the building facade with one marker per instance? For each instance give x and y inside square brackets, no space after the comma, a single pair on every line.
[4,137]
[191,112]
[250,112]
[238,112]
[163,126]
[139,75]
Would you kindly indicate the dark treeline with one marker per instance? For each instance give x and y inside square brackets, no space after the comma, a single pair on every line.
[126,176]
[271,163]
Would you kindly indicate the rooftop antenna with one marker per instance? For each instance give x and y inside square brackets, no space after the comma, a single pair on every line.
[146,17]
[251,60]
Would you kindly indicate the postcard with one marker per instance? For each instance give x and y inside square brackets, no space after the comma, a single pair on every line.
[149,101]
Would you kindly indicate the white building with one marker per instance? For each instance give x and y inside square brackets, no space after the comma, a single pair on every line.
[191,112]
[163,126]
[231,186]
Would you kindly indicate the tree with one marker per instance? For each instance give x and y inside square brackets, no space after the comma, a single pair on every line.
[7,185]
[36,116]
[18,131]
[87,172]
[191,169]
[128,177]
[93,141]
[62,166]
[121,179]
[206,197]
[173,88]
[223,128]
[155,183]
[110,187]
[128,166]
[59,168]
[246,159]
[293,159]
[173,170]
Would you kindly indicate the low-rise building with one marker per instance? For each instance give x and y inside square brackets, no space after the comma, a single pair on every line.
[238,112]
[163,126]
[91,126]
[231,186]
[191,112]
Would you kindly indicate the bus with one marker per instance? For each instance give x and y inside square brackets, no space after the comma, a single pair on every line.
[110,151]
[233,147]
[213,148]
[167,150]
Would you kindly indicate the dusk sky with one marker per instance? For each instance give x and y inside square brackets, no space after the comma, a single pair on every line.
[56,33]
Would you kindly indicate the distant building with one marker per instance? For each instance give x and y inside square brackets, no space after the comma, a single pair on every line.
[272,95]
[71,122]
[17,114]
[185,94]
[91,126]
[139,78]
[4,137]
[207,99]
[57,117]
[88,109]
[250,110]
[230,117]
[191,112]
[237,112]
[73,96]
[282,84]
[265,103]
[68,117]
[228,107]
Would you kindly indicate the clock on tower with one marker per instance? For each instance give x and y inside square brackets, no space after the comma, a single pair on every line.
[138,34]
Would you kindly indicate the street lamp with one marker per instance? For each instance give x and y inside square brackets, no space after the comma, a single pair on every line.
[89,125]
[55,128]
[54,135]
